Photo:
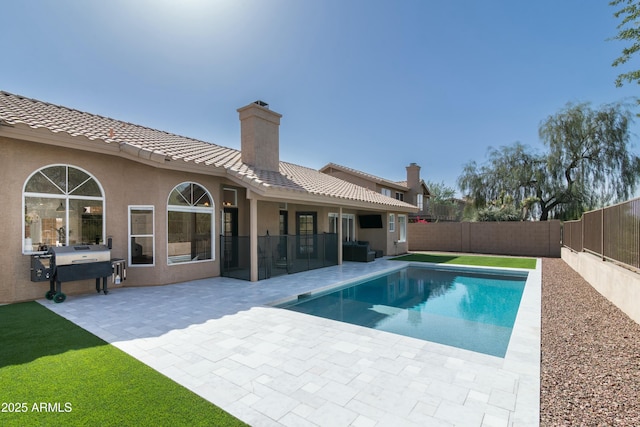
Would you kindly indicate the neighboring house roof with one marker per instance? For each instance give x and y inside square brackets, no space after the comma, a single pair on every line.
[398,185]
[172,151]
[367,176]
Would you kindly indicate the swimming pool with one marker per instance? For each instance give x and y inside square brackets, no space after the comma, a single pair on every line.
[473,309]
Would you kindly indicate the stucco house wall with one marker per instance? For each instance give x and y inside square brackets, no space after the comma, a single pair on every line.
[124,183]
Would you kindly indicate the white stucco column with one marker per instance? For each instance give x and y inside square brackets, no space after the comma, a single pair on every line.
[253,236]
[340,236]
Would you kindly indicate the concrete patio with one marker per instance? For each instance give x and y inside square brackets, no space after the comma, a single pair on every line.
[267,366]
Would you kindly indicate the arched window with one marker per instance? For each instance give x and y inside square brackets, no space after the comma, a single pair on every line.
[190,220]
[63,205]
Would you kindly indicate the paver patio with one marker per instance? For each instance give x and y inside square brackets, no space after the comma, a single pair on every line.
[268,366]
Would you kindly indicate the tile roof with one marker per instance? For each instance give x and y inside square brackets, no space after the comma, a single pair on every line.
[365,175]
[19,110]
[397,184]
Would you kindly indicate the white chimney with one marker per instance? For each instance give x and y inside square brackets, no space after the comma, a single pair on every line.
[259,136]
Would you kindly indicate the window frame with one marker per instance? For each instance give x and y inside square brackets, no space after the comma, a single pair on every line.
[211,210]
[392,223]
[234,204]
[402,228]
[131,235]
[303,247]
[348,235]
[334,222]
[64,199]
[347,223]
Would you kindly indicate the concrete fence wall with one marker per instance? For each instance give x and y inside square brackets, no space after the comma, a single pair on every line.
[539,239]
[618,284]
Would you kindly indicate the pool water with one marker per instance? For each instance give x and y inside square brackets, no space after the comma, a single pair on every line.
[466,308]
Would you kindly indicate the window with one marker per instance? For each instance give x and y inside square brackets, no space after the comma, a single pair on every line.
[402,225]
[400,196]
[333,223]
[62,205]
[386,192]
[348,226]
[190,216]
[141,235]
[283,226]
[229,197]
[306,228]
[392,223]
[420,202]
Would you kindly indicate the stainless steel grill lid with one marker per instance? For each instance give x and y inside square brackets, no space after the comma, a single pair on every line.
[79,254]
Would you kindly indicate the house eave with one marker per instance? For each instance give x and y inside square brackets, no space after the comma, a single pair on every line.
[99,146]
[271,193]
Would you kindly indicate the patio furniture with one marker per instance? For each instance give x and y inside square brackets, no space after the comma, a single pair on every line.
[357,251]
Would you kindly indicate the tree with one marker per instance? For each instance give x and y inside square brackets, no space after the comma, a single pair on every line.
[442,201]
[629,31]
[511,170]
[502,209]
[587,164]
[440,192]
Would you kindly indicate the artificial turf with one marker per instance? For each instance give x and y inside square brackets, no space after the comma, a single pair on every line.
[475,260]
[52,372]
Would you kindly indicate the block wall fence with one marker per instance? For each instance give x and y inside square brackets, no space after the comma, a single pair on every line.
[538,239]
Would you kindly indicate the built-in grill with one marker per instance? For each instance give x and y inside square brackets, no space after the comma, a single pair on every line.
[70,263]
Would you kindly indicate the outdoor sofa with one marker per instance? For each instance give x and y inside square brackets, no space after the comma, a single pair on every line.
[357,251]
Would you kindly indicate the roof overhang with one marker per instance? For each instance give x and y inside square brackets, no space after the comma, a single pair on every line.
[99,146]
[276,194]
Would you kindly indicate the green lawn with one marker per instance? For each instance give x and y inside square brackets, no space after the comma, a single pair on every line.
[56,373]
[477,260]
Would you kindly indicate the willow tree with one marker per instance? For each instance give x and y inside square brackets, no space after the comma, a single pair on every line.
[586,164]
[629,31]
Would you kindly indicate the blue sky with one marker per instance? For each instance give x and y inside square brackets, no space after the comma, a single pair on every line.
[373,85]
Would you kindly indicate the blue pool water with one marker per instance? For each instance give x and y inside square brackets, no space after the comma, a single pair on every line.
[470,309]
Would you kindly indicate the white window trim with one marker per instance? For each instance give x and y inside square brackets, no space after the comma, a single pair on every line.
[63,198]
[333,216]
[153,236]
[402,225]
[385,192]
[234,190]
[392,223]
[351,232]
[198,209]
[420,202]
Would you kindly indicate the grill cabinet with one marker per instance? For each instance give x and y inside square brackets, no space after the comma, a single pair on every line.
[79,262]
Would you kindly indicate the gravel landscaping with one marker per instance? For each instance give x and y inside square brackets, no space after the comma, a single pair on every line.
[590,373]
